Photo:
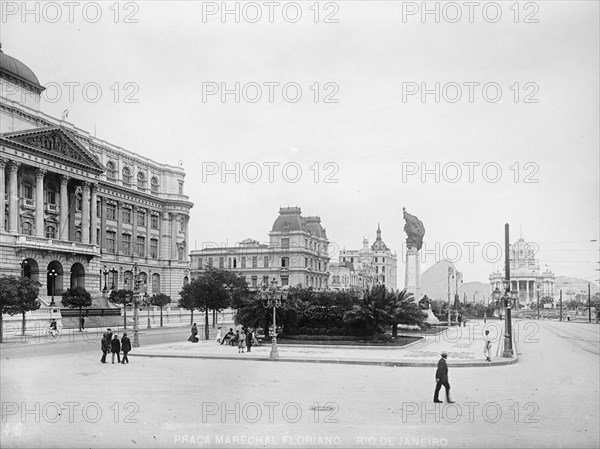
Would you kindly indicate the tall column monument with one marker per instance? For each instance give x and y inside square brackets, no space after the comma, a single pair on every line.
[415,231]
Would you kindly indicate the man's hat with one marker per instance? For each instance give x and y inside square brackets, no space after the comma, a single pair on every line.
[444,354]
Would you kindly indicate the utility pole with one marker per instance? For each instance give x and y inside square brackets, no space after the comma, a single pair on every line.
[538,303]
[508,351]
[589,304]
[560,303]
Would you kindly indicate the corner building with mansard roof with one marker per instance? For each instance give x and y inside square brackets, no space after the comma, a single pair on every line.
[81,206]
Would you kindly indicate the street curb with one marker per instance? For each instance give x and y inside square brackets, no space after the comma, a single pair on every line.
[332,361]
[296,345]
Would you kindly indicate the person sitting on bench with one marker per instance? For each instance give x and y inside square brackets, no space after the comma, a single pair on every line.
[228,336]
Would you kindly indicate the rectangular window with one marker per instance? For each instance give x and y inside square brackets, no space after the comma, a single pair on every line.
[154,222]
[126,244]
[111,211]
[306,262]
[384,260]
[254,262]
[285,243]
[98,209]
[141,218]
[221,262]
[200,262]
[266,261]
[376,260]
[265,281]
[154,248]
[181,187]
[50,197]
[141,246]
[285,280]
[126,216]
[110,241]
[210,262]
[254,281]
[27,191]
[243,262]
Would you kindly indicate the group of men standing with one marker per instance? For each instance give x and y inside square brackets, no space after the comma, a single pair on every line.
[111,343]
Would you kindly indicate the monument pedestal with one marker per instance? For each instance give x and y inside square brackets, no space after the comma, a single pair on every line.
[412,280]
[431,318]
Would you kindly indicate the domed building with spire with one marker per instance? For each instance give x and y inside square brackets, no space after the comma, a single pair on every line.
[371,265]
[76,210]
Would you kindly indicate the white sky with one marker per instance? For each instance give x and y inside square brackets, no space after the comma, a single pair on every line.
[369,134]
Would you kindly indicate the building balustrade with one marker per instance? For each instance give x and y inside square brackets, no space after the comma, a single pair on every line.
[31,242]
[52,207]
[28,203]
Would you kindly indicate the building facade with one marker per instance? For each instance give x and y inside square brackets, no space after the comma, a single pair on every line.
[296,255]
[77,210]
[377,264]
[526,278]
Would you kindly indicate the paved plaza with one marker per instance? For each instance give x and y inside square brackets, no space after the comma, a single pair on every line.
[548,399]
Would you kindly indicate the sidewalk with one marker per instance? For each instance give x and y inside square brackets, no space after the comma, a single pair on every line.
[463,345]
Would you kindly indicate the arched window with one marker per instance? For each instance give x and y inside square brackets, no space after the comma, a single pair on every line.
[127,177]
[26,228]
[154,185]
[141,181]
[111,171]
[156,283]
[50,232]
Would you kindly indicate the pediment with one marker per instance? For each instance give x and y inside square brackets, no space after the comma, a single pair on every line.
[55,143]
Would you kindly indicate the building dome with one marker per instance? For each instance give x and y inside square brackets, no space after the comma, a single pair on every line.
[16,69]
[289,220]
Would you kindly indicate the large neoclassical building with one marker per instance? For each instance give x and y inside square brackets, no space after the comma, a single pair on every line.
[297,254]
[526,277]
[77,210]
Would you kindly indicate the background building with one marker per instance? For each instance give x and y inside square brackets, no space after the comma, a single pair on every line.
[526,278]
[378,257]
[296,254]
[76,210]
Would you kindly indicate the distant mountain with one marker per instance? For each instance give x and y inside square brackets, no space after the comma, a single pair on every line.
[570,284]
[434,284]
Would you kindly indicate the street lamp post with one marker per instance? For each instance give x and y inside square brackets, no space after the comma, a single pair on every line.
[136,292]
[450,273]
[23,264]
[105,272]
[506,300]
[147,304]
[274,297]
[52,273]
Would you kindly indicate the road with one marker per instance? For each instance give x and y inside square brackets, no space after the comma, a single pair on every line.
[549,399]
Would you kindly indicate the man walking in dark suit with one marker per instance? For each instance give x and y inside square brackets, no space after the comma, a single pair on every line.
[441,378]
[104,348]
[125,347]
[115,348]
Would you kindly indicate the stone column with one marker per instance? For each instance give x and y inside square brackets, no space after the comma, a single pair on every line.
[134,210]
[174,236]
[412,280]
[148,231]
[102,241]
[64,209]
[13,198]
[119,239]
[39,202]
[2,193]
[527,291]
[85,212]
[94,215]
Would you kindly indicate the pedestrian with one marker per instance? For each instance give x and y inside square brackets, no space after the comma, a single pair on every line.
[228,336]
[53,328]
[125,347]
[249,339]
[82,323]
[484,317]
[104,348]
[459,319]
[108,335]
[193,338]
[441,378]
[115,348]
[219,336]
[241,341]
[487,347]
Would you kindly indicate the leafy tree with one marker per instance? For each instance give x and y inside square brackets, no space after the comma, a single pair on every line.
[160,300]
[124,297]
[76,298]
[18,295]
[214,290]
[402,309]
[9,294]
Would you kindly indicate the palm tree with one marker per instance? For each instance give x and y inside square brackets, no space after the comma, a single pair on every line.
[370,316]
[403,309]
